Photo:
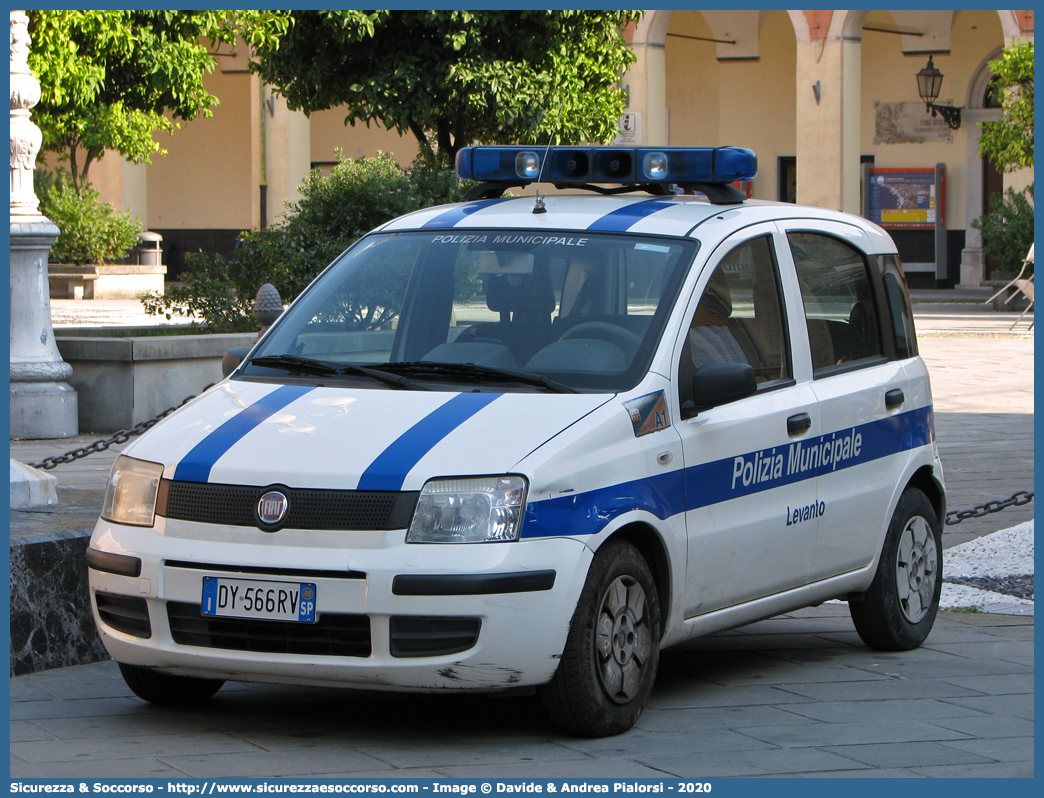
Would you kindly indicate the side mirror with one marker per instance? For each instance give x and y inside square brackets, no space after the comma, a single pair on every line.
[718,384]
[232,358]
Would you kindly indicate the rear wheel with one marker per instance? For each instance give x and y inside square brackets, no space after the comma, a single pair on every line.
[608,668]
[163,688]
[900,606]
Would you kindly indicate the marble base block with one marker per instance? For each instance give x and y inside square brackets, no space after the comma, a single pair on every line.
[51,621]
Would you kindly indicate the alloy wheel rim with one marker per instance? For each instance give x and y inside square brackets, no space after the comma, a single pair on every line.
[623,641]
[916,569]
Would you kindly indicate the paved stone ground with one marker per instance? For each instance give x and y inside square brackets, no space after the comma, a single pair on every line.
[982,388]
[796,695]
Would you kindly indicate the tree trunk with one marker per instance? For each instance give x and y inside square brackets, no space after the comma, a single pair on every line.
[421,136]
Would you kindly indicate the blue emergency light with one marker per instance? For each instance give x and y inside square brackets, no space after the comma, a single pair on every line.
[564,166]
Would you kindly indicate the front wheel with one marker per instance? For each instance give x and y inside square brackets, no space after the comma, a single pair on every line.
[608,668]
[164,688]
[900,606]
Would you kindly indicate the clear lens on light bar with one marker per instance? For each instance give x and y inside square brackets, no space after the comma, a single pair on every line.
[654,166]
[527,164]
[613,165]
[469,510]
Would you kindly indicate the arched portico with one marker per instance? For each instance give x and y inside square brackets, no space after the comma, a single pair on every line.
[809,92]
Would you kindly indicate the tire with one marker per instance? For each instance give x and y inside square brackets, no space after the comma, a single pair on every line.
[900,606]
[163,688]
[608,667]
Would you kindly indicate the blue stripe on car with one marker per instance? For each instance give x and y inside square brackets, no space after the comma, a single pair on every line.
[196,465]
[666,495]
[624,218]
[389,470]
[460,213]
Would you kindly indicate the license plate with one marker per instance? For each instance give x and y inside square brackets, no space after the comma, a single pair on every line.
[249,598]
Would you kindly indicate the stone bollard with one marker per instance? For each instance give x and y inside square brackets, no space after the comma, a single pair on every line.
[268,306]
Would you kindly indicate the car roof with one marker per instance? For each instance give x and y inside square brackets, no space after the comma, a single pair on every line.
[670,215]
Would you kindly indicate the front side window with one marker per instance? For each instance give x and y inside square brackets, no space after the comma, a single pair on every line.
[839,305]
[584,311]
[739,318]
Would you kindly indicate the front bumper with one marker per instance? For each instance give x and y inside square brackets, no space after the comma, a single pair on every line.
[373,591]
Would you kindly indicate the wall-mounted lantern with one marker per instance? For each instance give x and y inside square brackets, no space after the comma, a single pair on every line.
[929,84]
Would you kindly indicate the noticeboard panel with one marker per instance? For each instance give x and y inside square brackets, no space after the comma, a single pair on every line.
[905,198]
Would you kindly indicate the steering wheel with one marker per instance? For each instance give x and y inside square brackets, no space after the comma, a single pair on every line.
[626,340]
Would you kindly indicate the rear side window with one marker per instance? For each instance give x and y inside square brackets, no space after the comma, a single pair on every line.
[839,303]
[899,313]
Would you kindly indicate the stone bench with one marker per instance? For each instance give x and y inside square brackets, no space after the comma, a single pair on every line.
[112,281]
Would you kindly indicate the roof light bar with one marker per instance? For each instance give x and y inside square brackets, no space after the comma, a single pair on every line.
[617,165]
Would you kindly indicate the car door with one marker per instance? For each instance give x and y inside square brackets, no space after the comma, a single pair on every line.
[864,397]
[750,519]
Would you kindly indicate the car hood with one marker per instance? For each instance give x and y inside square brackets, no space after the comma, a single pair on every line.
[248,433]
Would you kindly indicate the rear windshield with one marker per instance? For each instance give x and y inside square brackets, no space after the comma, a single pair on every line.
[581,309]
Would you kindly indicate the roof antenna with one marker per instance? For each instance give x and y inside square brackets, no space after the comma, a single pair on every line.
[538,206]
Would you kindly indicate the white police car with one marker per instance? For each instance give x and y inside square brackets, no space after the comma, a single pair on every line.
[518,442]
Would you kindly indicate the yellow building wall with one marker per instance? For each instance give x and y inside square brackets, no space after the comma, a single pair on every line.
[105,175]
[211,177]
[693,90]
[702,93]
[764,118]
[329,133]
[890,77]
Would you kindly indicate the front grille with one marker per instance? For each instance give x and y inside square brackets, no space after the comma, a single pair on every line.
[124,614]
[235,505]
[416,636]
[331,635]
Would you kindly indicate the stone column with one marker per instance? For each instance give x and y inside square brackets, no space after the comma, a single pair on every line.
[647,80]
[829,89]
[43,404]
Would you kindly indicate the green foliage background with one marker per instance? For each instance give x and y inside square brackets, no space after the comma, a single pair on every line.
[455,77]
[1009,140]
[333,213]
[1008,228]
[112,78]
[91,231]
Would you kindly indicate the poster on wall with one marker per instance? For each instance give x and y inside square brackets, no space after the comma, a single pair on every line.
[908,123]
[904,198]
[630,129]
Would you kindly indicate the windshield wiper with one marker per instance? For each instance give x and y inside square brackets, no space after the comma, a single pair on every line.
[307,365]
[471,370]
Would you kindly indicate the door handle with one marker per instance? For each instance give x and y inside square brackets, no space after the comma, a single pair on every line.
[894,398]
[798,424]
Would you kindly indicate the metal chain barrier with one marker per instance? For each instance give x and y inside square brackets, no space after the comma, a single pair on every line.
[122,436]
[1015,500]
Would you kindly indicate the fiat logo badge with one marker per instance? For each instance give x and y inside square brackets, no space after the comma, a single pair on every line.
[272,508]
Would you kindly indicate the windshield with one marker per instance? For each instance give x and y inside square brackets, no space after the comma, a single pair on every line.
[511,310]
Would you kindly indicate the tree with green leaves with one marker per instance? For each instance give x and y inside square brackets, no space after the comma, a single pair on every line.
[112,78]
[1008,142]
[456,77]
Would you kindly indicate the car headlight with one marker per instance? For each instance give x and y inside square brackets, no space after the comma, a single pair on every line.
[130,496]
[469,510]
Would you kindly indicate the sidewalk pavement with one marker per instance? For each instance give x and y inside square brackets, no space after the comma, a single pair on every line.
[796,695]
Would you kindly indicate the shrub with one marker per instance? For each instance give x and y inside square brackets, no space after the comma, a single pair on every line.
[91,231]
[1007,229]
[333,212]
